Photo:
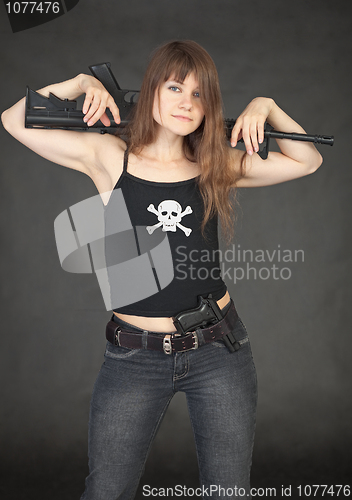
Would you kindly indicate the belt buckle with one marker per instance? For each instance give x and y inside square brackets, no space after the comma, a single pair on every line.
[117,336]
[167,346]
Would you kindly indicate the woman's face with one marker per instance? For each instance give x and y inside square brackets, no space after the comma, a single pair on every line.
[178,107]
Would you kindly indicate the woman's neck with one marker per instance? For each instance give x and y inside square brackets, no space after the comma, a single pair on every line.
[162,162]
[167,148]
[163,155]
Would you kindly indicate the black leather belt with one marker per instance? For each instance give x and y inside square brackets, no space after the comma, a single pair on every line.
[176,342]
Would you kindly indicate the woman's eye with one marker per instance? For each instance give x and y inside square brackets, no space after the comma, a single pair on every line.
[174,88]
[196,94]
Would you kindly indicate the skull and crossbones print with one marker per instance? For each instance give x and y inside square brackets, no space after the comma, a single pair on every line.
[169,215]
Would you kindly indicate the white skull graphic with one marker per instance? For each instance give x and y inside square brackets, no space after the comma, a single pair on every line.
[169,215]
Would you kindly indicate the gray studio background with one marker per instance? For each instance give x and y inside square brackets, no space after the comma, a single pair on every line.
[52,333]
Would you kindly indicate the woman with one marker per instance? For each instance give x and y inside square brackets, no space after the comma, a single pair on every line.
[176,158]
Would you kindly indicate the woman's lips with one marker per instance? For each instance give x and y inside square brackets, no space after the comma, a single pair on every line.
[182,118]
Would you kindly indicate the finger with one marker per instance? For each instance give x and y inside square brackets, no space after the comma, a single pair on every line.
[93,106]
[261,132]
[234,138]
[236,134]
[100,111]
[240,136]
[87,102]
[96,110]
[105,120]
[114,110]
[254,136]
[247,140]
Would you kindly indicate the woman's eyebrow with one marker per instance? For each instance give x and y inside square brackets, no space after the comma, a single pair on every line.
[174,80]
[179,82]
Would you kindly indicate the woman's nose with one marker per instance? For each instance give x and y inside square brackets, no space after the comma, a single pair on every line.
[186,102]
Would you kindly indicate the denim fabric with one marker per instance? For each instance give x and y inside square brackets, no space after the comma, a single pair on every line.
[130,397]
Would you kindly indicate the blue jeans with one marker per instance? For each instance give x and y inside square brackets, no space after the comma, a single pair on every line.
[130,397]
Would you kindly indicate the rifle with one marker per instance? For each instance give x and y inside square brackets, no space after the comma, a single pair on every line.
[54,113]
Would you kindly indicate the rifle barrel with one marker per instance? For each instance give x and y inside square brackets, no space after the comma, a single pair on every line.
[276,134]
[317,139]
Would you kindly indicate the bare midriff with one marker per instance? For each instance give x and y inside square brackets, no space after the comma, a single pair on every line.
[161,324]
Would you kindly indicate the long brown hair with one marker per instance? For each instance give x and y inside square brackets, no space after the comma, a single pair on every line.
[207,146]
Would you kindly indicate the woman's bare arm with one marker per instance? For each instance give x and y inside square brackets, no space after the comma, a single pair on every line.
[72,149]
[296,159]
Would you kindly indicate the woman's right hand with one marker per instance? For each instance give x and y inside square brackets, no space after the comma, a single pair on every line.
[97,100]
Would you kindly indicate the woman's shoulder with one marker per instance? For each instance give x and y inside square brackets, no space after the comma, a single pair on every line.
[108,144]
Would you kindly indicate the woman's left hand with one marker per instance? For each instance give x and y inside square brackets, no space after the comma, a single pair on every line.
[296,158]
[249,125]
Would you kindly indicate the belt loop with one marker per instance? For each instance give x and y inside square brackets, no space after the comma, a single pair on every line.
[145,339]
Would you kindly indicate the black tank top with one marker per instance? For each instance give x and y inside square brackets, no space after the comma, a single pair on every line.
[177,209]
